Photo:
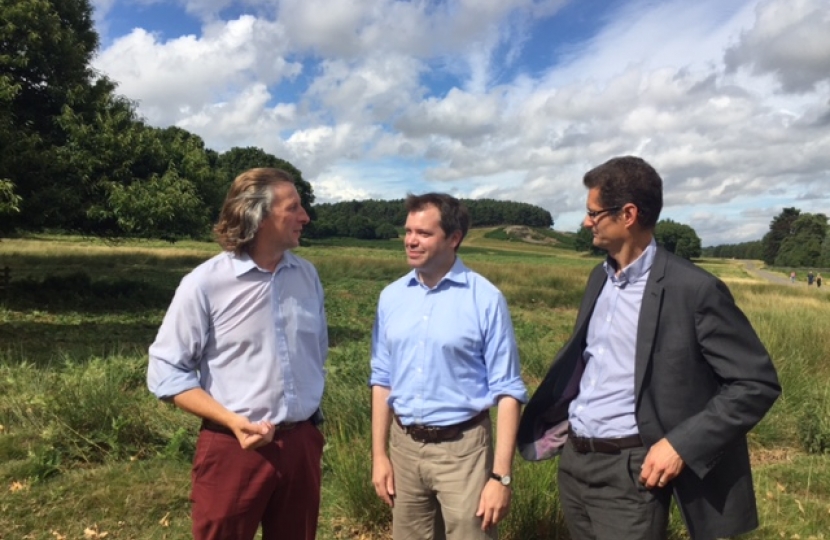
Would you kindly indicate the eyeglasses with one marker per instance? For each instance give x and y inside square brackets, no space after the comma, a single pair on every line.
[594,214]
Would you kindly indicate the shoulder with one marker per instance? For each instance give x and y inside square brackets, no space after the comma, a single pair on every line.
[396,288]
[678,266]
[304,265]
[481,285]
[216,269]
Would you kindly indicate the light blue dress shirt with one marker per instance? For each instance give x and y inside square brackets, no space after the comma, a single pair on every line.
[445,353]
[255,340]
[605,406]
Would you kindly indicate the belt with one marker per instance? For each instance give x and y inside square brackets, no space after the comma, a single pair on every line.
[583,445]
[436,434]
[219,428]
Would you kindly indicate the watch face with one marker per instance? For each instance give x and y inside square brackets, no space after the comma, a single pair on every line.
[505,480]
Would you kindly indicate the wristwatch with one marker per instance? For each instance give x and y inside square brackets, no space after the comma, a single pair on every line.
[503,480]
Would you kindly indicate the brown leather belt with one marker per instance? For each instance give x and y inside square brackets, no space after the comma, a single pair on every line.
[584,445]
[436,434]
[219,428]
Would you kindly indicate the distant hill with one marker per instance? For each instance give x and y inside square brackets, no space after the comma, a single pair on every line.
[523,233]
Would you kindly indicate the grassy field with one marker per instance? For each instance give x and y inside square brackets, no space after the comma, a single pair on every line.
[87,452]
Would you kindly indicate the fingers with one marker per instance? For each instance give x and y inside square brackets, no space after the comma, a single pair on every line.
[493,505]
[390,488]
[383,479]
[254,435]
[661,465]
[385,489]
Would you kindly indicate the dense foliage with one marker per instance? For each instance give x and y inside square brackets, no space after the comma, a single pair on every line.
[680,239]
[75,156]
[744,250]
[371,219]
[797,239]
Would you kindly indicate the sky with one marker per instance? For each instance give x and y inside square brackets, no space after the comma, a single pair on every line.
[729,100]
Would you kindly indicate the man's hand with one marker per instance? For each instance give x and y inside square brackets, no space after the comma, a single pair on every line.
[494,504]
[383,479]
[252,435]
[661,466]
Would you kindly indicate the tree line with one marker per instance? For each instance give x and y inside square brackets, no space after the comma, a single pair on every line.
[381,219]
[795,239]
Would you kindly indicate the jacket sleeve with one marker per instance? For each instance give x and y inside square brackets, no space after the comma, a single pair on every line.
[746,378]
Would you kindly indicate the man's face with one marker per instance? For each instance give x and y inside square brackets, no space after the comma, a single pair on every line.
[284,223]
[428,249]
[606,225]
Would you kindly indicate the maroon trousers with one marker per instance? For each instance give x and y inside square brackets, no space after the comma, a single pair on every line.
[277,485]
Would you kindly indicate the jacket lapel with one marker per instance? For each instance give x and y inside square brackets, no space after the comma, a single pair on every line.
[649,317]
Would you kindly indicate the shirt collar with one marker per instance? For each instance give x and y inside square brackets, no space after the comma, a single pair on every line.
[457,274]
[243,263]
[636,270]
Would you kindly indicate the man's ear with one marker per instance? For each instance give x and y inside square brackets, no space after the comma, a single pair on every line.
[630,213]
[456,238]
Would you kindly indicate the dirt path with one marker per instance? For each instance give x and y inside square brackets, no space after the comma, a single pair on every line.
[752,269]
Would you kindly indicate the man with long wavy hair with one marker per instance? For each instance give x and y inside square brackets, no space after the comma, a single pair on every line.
[242,346]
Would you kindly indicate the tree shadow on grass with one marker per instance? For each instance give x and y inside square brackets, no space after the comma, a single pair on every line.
[47,344]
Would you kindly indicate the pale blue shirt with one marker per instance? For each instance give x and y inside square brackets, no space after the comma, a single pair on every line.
[605,406]
[445,353]
[255,340]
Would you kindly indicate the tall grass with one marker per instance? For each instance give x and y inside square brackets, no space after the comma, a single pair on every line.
[82,442]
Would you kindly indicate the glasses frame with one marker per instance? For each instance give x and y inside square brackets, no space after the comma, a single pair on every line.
[594,214]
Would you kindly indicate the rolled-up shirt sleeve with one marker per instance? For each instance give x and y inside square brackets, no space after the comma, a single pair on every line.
[501,354]
[176,352]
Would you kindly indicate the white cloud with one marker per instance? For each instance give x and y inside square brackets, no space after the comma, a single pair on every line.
[170,80]
[790,40]
[693,87]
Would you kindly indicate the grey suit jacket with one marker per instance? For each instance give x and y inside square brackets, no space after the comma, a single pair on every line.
[702,380]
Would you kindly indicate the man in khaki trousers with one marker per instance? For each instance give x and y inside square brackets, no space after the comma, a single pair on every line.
[443,354]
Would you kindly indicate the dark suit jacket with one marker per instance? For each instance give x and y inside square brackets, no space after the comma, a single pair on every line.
[702,379]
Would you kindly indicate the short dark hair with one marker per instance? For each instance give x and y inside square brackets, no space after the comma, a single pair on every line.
[454,215]
[629,179]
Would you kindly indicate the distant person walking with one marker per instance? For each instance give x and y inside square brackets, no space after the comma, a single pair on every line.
[810,278]
[792,276]
[818,280]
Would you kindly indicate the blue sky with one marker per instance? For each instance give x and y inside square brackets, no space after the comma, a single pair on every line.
[510,99]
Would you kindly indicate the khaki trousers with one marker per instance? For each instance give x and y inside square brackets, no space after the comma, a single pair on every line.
[438,485]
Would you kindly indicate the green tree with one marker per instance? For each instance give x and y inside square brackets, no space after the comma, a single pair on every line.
[362,227]
[9,201]
[165,207]
[780,228]
[803,246]
[680,239]
[45,50]
[386,231]
[824,262]
[238,160]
